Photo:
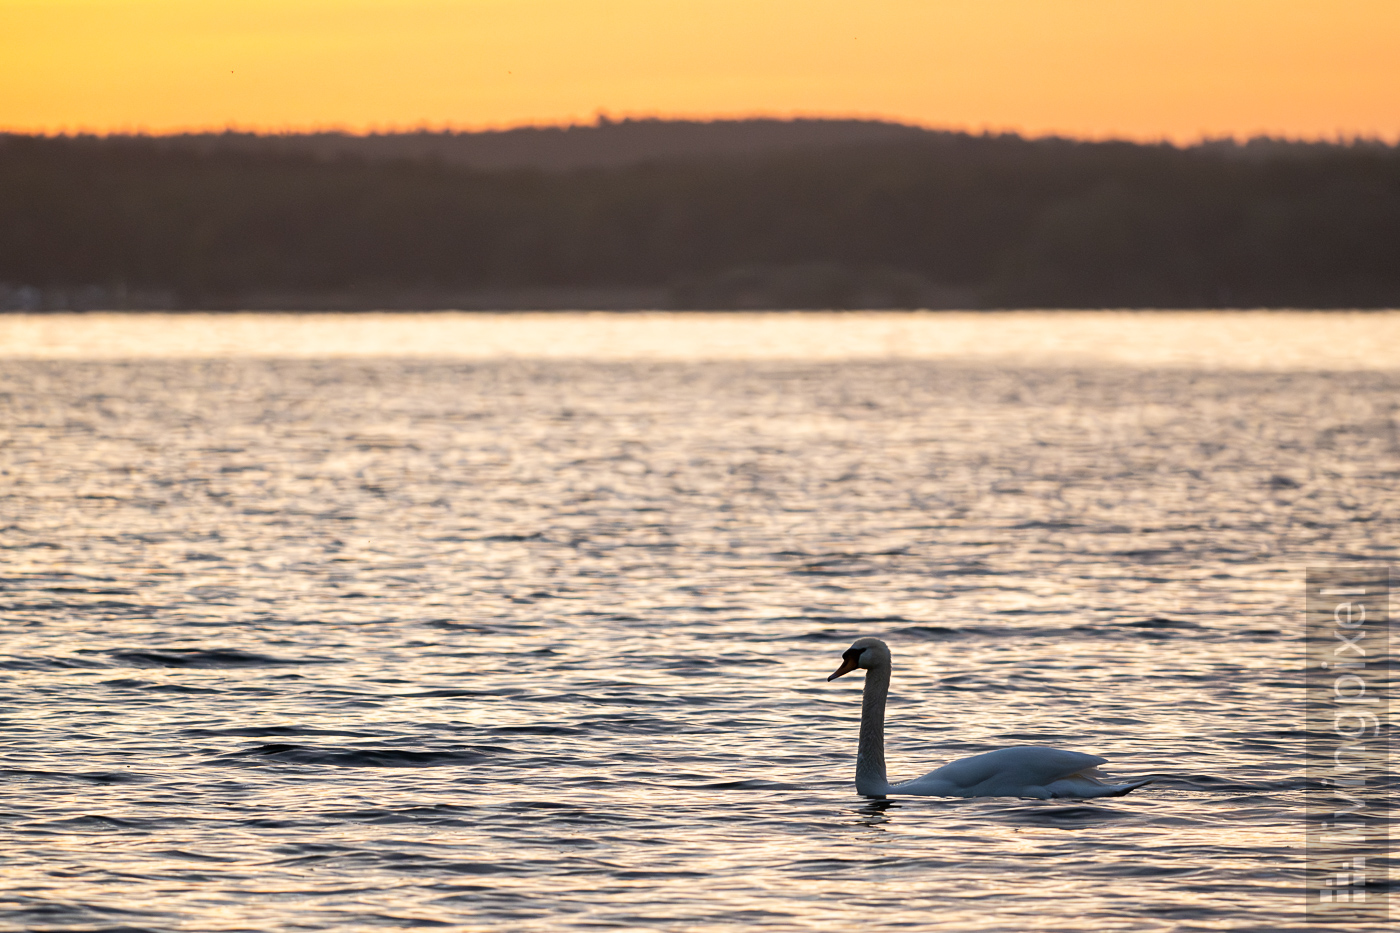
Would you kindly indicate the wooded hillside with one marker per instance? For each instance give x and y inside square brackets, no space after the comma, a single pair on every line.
[916,220]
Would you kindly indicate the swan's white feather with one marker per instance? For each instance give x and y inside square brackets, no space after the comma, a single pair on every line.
[1022,771]
[1022,766]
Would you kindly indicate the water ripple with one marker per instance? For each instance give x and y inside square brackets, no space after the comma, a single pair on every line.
[353,644]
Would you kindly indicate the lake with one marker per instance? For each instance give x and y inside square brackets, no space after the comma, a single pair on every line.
[523,622]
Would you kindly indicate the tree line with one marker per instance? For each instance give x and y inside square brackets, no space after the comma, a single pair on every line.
[943,220]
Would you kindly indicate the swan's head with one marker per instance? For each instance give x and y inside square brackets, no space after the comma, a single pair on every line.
[865,653]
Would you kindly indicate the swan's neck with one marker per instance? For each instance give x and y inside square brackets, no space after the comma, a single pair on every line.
[870,760]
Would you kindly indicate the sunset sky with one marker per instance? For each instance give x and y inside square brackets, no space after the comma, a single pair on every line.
[1136,68]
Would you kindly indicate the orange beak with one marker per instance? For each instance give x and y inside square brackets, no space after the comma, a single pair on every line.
[847,665]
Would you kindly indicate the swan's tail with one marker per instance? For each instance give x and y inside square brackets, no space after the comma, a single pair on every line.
[1086,783]
[1118,790]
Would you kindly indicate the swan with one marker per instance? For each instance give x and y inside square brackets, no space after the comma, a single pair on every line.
[1023,771]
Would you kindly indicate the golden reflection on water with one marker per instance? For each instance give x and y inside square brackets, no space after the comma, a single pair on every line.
[620,588]
[1250,340]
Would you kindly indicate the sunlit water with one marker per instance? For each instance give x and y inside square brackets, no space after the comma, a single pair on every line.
[537,645]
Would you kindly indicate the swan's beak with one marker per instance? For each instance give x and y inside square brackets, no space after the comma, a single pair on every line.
[847,665]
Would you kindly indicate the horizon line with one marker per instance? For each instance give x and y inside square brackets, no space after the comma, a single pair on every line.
[602,118]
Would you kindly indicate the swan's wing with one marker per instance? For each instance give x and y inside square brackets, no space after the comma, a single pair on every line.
[1026,766]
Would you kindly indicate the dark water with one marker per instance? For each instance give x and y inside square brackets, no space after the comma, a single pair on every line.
[377,644]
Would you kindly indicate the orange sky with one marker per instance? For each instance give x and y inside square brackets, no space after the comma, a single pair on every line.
[1137,68]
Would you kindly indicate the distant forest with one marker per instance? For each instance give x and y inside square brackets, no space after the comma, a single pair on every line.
[658,214]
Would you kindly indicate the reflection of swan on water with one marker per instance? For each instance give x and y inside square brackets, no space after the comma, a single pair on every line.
[1026,771]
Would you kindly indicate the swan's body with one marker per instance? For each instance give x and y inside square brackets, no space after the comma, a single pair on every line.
[1025,771]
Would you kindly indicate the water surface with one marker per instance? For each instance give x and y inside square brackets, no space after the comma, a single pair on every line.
[513,644]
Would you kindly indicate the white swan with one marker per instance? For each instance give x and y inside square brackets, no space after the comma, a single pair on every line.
[1025,771]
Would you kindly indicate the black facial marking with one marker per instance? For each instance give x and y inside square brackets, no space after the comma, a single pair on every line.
[850,654]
